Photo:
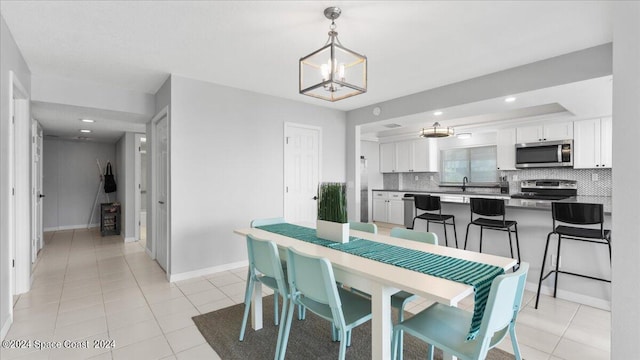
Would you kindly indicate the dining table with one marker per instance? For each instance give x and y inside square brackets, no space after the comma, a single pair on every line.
[379,279]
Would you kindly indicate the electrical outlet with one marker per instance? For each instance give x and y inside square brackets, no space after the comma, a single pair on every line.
[416,178]
[515,177]
[594,177]
[431,177]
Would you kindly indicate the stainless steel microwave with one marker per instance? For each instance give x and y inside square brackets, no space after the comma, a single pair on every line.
[544,154]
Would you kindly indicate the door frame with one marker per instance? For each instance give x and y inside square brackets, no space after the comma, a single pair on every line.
[19,189]
[36,190]
[152,205]
[288,125]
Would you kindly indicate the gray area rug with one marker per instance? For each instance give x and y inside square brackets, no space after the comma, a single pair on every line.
[309,339]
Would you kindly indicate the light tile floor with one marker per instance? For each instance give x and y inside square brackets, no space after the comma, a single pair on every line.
[91,288]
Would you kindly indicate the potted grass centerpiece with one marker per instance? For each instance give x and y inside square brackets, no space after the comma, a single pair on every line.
[332,212]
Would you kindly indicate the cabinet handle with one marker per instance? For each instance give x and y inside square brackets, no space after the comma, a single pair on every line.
[597,165]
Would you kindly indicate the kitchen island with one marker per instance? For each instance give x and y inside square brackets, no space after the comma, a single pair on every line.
[534,223]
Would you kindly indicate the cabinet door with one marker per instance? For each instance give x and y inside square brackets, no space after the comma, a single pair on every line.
[527,134]
[380,210]
[395,212]
[387,157]
[506,142]
[606,142]
[425,155]
[404,156]
[557,131]
[586,144]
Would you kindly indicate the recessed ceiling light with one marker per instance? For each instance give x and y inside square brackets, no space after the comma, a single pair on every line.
[87,120]
[437,113]
[464,136]
[85,131]
[510,99]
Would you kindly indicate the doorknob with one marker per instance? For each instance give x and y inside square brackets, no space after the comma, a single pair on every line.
[41,195]
[315,198]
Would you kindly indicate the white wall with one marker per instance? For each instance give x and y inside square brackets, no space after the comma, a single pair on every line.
[10,60]
[626,197]
[125,154]
[71,179]
[227,166]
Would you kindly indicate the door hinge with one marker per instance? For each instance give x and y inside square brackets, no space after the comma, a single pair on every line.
[287,189]
[13,262]
[139,148]
[13,191]
[287,139]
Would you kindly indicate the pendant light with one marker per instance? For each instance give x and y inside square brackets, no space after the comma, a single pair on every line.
[436,131]
[333,72]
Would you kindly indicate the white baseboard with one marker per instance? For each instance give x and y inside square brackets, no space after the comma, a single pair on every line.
[130,239]
[70,227]
[571,296]
[6,326]
[146,249]
[207,271]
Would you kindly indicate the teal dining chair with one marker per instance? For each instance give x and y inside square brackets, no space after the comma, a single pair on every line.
[366,227]
[313,285]
[400,299]
[264,266]
[446,327]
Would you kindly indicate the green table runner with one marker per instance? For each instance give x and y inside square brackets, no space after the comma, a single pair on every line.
[475,274]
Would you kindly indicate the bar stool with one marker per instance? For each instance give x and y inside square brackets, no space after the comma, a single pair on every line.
[576,214]
[432,203]
[492,207]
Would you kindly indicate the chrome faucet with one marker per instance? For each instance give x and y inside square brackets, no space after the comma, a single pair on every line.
[465,181]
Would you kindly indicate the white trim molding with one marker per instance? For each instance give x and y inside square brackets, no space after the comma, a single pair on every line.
[570,296]
[6,326]
[207,271]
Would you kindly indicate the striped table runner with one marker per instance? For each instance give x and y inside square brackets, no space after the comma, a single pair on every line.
[475,274]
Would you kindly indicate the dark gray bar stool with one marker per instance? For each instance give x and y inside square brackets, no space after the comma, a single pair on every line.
[575,214]
[432,203]
[492,207]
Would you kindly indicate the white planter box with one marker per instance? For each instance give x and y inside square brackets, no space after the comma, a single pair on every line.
[333,231]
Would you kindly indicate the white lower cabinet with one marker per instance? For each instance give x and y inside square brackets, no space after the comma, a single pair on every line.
[388,207]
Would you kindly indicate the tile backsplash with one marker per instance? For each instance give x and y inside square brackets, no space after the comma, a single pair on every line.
[585,178]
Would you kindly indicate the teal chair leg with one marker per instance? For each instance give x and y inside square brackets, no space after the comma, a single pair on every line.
[401,333]
[343,344]
[247,304]
[514,342]
[349,338]
[302,312]
[334,333]
[430,351]
[394,345]
[285,332]
[275,307]
[283,322]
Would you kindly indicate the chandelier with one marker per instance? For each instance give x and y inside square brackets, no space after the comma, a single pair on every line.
[333,72]
[436,131]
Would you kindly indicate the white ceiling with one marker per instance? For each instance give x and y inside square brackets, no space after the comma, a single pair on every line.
[412,46]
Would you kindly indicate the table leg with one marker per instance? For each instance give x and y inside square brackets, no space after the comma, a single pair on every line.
[256,306]
[381,322]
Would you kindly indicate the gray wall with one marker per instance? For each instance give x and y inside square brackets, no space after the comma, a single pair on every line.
[71,179]
[125,155]
[626,197]
[227,166]
[10,60]
[371,151]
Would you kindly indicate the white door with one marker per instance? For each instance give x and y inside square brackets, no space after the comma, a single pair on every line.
[302,172]
[36,190]
[162,193]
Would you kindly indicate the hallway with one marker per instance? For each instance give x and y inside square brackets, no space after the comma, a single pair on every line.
[88,287]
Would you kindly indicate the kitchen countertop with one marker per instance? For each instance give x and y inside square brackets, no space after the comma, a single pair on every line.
[463,198]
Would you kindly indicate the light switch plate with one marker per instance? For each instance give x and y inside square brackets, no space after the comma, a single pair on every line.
[594,177]
[416,178]
[515,177]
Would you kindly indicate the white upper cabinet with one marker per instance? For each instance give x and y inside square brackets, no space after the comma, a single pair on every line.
[547,132]
[506,143]
[387,157]
[592,144]
[409,156]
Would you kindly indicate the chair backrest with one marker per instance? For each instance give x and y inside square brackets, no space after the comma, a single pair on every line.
[264,259]
[503,305]
[270,221]
[577,213]
[312,278]
[368,227]
[427,202]
[421,236]
[487,207]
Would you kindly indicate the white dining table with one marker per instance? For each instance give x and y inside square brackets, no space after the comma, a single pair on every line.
[380,280]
